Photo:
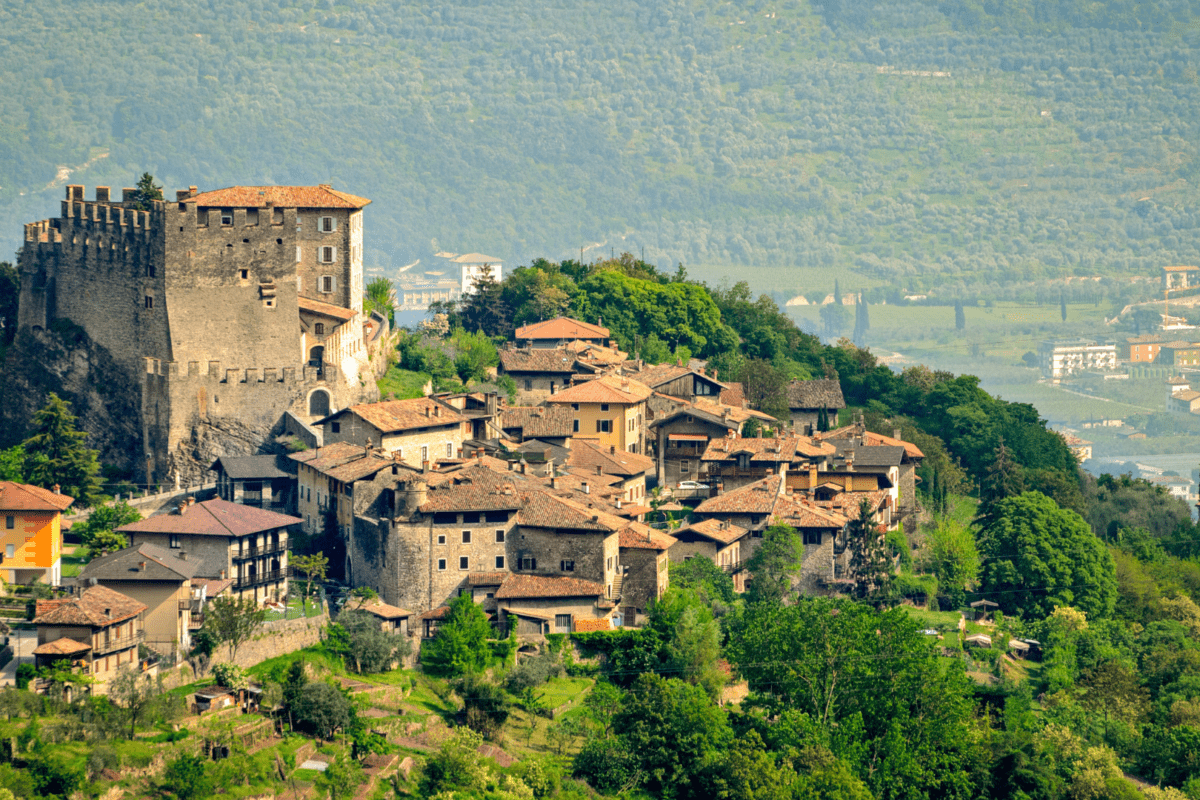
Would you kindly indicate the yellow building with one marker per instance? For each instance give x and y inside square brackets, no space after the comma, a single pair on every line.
[609,410]
[31,534]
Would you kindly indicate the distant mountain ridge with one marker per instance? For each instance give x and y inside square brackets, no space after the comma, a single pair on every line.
[924,145]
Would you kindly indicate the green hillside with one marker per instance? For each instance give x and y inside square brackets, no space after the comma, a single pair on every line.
[989,147]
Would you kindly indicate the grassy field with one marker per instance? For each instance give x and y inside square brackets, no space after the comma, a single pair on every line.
[402,383]
[1059,404]
[789,280]
[74,558]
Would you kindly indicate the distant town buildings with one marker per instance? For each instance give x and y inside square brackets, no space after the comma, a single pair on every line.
[1063,358]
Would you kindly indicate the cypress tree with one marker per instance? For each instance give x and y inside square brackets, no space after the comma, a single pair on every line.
[960,316]
[1062,302]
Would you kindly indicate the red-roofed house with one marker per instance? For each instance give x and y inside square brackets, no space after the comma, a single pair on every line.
[645,564]
[31,536]
[559,331]
[98,630]
[609,410]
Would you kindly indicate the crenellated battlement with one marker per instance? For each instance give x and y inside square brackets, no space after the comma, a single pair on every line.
[213,372]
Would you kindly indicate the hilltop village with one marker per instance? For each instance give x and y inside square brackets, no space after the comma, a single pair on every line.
[312,587]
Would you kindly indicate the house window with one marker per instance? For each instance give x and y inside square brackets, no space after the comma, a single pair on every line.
[9,551]
[608,563]
[812,537]
[424,453]
[445,518]
[575,427]
[604,426]
[441,538]
[227,216]
[173,539]
[566,566]
[464,562]
[319,329]
[499,536]
[499,562]
[685,467]
[574,406]
[327,284]
[495,516]
[529,384]
[604,406]
[327,255]
[149,301]
[335,427]
[529,563]
[466,537]
[562,622]
[449,449]
[327,225]
[441,565]
[10,522]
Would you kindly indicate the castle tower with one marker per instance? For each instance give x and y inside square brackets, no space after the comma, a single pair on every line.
[229,308]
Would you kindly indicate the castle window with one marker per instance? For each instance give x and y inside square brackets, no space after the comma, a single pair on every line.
[10,522]
[251,216]
[328,255]
[464,562]
[441,565]
[328,284]
[319,329]
[149,270]
[567,566]
[279,241]
[327,225]
[466,537]
[244,274]
[499,536]
[226,216]
[441,539]
[499,562]
[812,537]
[529,563]
[336,427]
[149,301]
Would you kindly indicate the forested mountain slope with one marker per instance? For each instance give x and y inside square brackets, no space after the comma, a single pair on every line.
[919,148]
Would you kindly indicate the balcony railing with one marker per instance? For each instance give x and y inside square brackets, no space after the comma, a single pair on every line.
[270,576]
[103,646]
[259,552]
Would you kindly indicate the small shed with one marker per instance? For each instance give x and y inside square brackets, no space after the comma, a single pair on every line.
[983,608]
[1019,649]
[977,640]
[1034,651]
[214,698]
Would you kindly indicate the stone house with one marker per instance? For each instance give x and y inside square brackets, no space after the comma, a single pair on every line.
[226,540]
[551,424]
[559,603]
[539,373]
[731,463]
[905,481]
[681,431]
[559,331]
[806,399]
[419,431]
[586,459]
[31,537]
[676,380]
[645,577]
[716,539]
[325,478]
[608,410]
[392,619]
[482,412]
[159,579]
[97,630]
[261,481]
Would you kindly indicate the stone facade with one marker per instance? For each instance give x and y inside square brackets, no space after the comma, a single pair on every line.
[199,307]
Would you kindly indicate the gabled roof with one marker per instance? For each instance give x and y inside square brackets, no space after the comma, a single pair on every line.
[486,578]
[588,455]
[645,538]
[717,530]
[734,394]
[61,647]
[871,438]
[325,309]
[88,609]
[322,196]
[528,587]
[144,562]
[241,468]
[659,374]
[23,497]
[767,450]
[346,462]
[474,488]
[557,360]
[801,514]
[539,422]
[377,608]
[214,517]
[869,455]
[820,393]
[605,389]
[561,328]
[475,258]
[754,498]
[542,510]
[395,416]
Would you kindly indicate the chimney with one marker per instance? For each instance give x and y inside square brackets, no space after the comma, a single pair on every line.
[142,566]
[183,555]
[720,488]
[812,478]
[850,460]
[427,411]
[56,489]
[612,449]
[714,373]
[553,481]
[587,489]
[437,411]
[222,574]
[424,466]
[759,431]
[618,503]
[599,470]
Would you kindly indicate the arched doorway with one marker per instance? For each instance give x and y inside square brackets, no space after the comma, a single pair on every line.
[316,358]
[318,403]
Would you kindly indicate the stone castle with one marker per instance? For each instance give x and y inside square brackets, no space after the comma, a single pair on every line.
[229,309]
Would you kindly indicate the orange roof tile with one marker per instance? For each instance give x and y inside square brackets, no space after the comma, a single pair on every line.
[377,608]
[645,538]
[716,530]
[537,586]
[325,309]
[561,328]
[22,497]
[61,647]
[214,517]
[605,389]
[88,608]
[323,196]
[588,455]
[392,416]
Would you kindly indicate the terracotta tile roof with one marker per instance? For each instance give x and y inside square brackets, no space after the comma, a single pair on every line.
[767,450]
[734,394]
[846,503]
[486,578]
[802,514]
[820,393]
[556,360]
[539,422]
[643,537]
[23,497]
[759,497]
[214,517]
[528,587]
[561,328]
[325,309]
[872,438]
[716,530]
[575,477]
[542,510]
[595,354]
[394,416]
[377,608]
[87,608]
[214,587]
[476,487]
[160,564]
[436,613]
[322,196]
[61,647]
[605,389]
[346,462]
[587,455]
[657,375]
[665,408]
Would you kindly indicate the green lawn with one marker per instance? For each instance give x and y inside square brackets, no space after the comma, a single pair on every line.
[562,690]
[297,608]
[73,562]
[402,383]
